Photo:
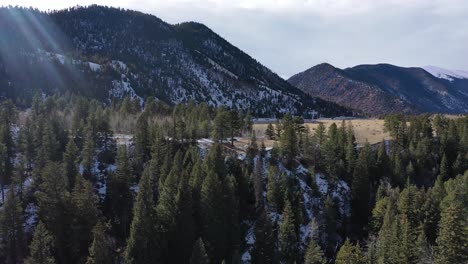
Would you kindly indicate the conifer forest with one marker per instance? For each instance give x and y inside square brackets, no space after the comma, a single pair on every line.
[137,183]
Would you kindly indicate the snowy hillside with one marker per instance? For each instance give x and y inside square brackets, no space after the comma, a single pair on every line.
[107,53]
[446,74]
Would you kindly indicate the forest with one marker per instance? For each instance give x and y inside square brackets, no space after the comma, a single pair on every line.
[71,192]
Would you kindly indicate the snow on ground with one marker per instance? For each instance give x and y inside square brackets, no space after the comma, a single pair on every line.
[342,194]
[31,217]
[94,66]
[446,74]
[321,182]
[249,241]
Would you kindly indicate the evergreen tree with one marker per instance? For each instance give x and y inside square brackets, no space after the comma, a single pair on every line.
[258,183]
[87,154]
[444,170]
[235,124]
[3,173]
[221,125]
[288,236]
[360,188]
[350,254]
[166,213]
[70,160]
[199,255]
[270,131]
[274,196]
[41,247]
[231,216]
[142,142]
[288,139]
[55,209]
[213,219]
[119,198]
[264,247]
[85,215]
[388,241]
[11,228]
[182,242]
[141,245]
[350,149]
[330,216]
[101,251]
[452,240]
[314,254]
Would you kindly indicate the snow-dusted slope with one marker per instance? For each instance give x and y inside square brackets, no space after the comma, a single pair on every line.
[446,74]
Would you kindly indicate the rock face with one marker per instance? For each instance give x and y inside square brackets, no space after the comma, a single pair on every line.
[108,53]
[384,88]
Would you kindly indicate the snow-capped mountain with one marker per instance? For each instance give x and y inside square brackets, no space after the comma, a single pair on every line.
[384,88]
[108,53]
[446,74]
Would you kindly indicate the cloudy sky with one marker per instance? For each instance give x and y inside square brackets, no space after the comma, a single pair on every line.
[289,36]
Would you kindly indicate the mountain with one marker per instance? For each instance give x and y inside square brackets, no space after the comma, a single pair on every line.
[109,53]
[384,88]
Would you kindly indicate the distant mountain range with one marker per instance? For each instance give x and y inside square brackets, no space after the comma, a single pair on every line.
[384,88]
[108,53]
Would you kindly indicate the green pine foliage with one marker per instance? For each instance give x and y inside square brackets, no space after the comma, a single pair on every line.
[402,200]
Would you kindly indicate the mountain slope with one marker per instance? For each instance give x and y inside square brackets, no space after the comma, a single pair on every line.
[384,88]
[108,53]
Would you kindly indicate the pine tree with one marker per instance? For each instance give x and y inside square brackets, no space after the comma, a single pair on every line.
[166,213]
[235,124]
[41,247]
[382,159]
[330,216]
[452,240]
[288,141]
[221,125]
[408,214]
[87,154]
[350,149]
[264,247]
[70,160]
[100,251]
[274,196]
[388,241]
[213,218]
[3,173]
[444,168]
[360,188]
[258,183]
[11,228]
[199,255]
[270,131]
[55,209]
[350,254]
[453,236]
[119,198]
[314,254]
[26,139]
[231,216]
[142,142]
[288,236]
[85,216]
[141,245]
[182,241]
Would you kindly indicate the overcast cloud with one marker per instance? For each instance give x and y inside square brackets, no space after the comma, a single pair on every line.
[289,36]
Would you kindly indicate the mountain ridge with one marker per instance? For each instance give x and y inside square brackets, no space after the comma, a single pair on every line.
[140,55]
[385,88]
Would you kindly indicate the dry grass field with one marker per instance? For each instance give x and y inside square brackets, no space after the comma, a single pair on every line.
[371,130]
